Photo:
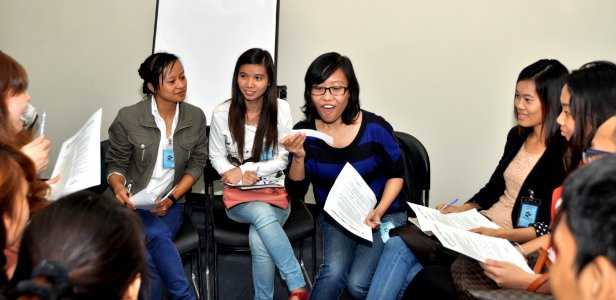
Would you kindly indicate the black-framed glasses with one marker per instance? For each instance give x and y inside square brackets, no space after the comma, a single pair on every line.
[334,90]
[591,154]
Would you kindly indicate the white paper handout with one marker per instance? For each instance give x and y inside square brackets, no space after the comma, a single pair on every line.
[309,132]
[479,247]
[466,220]
[144,199]
[78,163]
[349,202]
[264,182]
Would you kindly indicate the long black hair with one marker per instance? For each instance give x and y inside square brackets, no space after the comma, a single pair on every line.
[93,248]
[593,100]
[322,68]
[549,76]
[267,128]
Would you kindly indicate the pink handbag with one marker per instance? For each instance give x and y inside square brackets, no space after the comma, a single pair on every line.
[233,196]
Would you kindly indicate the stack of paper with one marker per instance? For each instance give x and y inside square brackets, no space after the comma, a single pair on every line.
[452,231]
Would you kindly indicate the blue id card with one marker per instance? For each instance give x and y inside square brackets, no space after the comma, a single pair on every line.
[168,156]
[528,211]
[384,229]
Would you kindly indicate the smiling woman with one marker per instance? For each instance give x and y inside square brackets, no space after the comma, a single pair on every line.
[14,99]
[159,147]
[361,138]
[517,196]
[244,149]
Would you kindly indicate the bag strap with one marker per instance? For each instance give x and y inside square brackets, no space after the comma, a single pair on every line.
[538,282]
[542,261]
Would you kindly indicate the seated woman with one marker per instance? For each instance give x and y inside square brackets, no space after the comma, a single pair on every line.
[243,149]
[158,147]
[588,99]
[530,168]
[83,246]
[14,100]
[18,187]
[360,138]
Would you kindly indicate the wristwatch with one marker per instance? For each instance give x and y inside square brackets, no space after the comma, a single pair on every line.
[172,198]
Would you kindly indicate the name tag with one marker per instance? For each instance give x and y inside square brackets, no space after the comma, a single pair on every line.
[528,211]
[384,229]
[168,156]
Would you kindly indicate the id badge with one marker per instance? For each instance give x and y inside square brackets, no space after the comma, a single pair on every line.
[528,211]
[168,156]
[384,229]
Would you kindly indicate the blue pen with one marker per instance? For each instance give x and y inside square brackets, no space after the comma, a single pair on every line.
[450,204]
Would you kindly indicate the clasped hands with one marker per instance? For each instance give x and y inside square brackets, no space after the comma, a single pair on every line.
[235,176]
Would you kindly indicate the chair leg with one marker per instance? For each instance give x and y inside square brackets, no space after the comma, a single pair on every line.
[208,287]
[215,272]
[314,255]
[193,275]
[302,265]
[200,274]
[207,265]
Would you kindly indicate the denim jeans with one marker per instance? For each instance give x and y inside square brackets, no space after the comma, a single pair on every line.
[348,260]
[396,268]
[269,246]
[164,264]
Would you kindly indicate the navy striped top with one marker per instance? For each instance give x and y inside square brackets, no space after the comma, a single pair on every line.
[374,153]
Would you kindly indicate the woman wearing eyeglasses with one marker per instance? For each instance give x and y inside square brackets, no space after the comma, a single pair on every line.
[364,140]
[604,142]
[587,101]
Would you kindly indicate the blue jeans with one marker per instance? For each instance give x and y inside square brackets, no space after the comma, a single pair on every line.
[348,260]
[164,264]
[396,268]
[269,246]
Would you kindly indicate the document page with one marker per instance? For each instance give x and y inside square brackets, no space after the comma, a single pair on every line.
[309,132]
[349,202]
[274,181]
[78,163]
[144,199]
[479,247]
[466,220]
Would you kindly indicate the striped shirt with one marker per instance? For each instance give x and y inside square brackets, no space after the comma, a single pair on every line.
[374,153]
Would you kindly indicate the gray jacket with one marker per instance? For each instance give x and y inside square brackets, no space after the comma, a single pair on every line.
[134,140]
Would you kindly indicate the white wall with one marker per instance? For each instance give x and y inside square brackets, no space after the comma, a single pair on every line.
[443,71]
[80,56]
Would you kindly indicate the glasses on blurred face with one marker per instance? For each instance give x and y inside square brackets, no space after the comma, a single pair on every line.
[334,90]
[591,154]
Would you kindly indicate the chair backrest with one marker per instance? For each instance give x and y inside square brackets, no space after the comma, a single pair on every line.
[416,188]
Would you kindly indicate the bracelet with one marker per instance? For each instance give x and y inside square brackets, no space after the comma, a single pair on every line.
[172,198]
[519,247]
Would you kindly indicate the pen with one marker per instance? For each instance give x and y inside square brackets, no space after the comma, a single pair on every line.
[130,185]
[41,129]
[171,191]
[450,204]
[376,222]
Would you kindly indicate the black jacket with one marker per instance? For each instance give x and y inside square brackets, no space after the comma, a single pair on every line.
[546,175]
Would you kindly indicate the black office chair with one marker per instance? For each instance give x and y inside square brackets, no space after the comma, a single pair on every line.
[187,241]
[231,237]
[416,188]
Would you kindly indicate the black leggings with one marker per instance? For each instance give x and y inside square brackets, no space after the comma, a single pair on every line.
[432,282]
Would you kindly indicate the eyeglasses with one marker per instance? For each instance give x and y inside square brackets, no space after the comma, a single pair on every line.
[591,154]
[333,90]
